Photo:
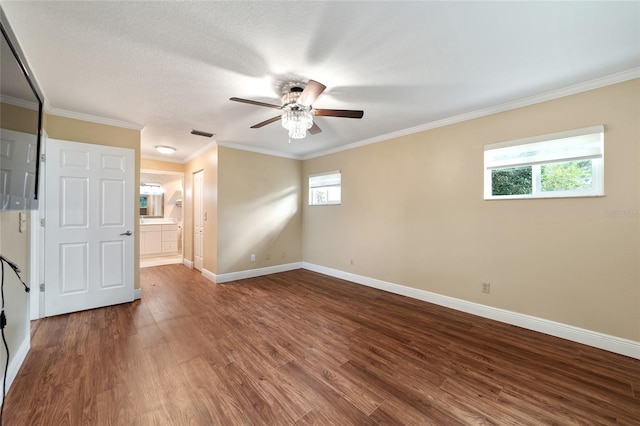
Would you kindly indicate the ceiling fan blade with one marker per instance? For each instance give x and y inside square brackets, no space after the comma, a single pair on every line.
[348,113]
[314,129]
[311,91]
[248,101]
[265,122]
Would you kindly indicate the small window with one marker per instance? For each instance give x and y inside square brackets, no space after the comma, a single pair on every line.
[325,188]
[567,164]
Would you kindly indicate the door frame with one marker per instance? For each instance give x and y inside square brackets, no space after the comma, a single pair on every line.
[182,179]
[36,241]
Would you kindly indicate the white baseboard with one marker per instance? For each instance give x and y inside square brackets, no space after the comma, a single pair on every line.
[137,293]
[209,275]
[15,362]
[614,344]
[186,262]
[251,273]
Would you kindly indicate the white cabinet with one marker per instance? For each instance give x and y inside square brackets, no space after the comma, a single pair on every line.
[150,239]
[169,239]
[156,240]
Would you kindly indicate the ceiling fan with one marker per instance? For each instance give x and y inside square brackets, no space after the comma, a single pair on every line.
[297,112]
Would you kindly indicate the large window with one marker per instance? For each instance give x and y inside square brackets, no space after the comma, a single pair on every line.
[325,188]
[567,164]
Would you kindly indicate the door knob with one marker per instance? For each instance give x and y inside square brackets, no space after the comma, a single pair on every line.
[128,233]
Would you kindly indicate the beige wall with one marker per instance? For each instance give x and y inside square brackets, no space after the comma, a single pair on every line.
[208,163]
[83,131]
[259,210]
[413,214]
[71,129]
[18,118]
[166,166]
[14,246]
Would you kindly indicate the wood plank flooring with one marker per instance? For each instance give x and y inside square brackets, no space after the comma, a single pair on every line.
[300,348]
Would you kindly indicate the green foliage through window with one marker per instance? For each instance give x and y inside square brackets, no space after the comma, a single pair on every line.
[566,176]
[563,164]
[511,181]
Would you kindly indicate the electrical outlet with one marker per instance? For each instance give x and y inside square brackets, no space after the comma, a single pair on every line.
[486,287]
[253,257]
[350,261]
[284,254]
[268,256]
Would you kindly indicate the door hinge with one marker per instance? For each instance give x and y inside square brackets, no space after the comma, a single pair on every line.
[41,222]
[42,287]
[43,158]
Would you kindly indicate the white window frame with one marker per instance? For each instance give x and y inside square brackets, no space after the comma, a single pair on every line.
[573,145]
[332,179]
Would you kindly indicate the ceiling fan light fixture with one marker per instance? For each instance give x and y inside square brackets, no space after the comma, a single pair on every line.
[297,110]
[164,149]
[291,97]
[297,121]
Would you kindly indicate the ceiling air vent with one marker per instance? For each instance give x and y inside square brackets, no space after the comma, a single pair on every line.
[201,133]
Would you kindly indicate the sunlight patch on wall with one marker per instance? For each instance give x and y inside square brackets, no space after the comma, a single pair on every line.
[254,228]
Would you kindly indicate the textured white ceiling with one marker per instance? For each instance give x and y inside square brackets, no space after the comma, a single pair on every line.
[172,66]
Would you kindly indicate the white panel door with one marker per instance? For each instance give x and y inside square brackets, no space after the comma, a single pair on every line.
[198,219]
[18,159]
[89,212]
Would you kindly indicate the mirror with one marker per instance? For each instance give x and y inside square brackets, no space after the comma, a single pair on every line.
[152,205]
[151,200]
[20,124]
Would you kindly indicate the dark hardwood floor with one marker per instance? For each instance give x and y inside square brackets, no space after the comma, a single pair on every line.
[303,348]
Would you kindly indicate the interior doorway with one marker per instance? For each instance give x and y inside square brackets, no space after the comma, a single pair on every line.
[161,217]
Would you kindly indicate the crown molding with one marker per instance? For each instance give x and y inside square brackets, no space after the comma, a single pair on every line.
[94,119]
[259,150]
[226,145]
[193,155]
[159,158]
[46,105]
[201,151]
[19,102]
[531,100]
[161,172]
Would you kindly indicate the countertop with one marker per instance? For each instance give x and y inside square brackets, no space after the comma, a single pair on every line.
[158,221]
